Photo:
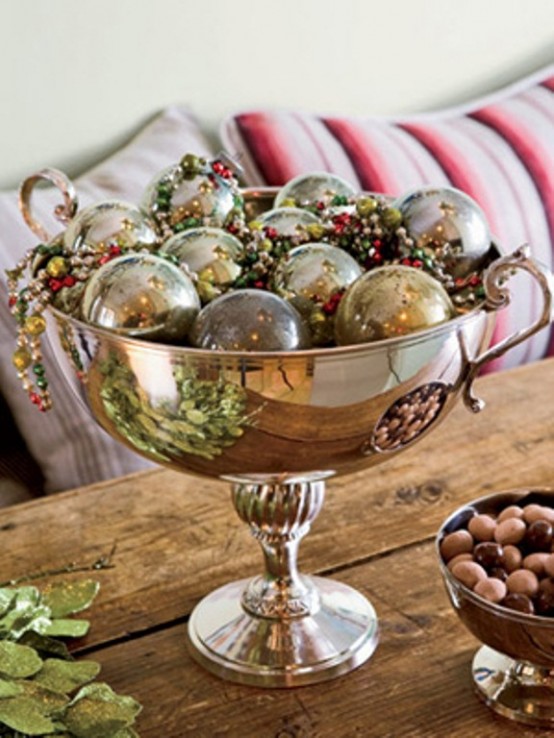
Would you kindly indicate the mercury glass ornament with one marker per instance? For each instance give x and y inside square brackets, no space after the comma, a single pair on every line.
[109,224]
[315,271]
[175,196]
[211,253]
[288,221]
[250,320]
[141,295]
[309,189]
[390,301]
[450,224]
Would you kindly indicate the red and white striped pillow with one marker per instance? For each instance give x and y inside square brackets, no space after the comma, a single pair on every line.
[499,149]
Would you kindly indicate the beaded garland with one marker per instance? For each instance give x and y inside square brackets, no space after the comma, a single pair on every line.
[368,227]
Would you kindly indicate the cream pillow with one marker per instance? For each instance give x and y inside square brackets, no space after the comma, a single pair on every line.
[70,448]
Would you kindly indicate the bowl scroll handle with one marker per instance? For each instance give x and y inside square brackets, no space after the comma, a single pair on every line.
[498,296]
[63,212]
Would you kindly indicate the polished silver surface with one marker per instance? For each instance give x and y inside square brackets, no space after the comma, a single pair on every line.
[513,672]
[277,424]
[282,629]
[515,689]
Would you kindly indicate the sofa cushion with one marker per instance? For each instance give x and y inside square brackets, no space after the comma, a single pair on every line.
[498,149]
[70,448]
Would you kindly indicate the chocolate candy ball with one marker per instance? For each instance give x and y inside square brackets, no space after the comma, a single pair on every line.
[250,320]
[489,555]
[388,302]
[539,536]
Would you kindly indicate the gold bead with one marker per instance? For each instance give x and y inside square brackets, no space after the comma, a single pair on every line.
[255,225]
[315,230]
[366,205]
[35,324]
[21,359]
[288,202]
[57,267]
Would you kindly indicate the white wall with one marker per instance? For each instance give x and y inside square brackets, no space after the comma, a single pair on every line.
[79,76]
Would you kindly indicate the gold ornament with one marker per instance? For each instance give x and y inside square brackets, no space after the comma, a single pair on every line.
[388,302]
[21,359]
[57,267]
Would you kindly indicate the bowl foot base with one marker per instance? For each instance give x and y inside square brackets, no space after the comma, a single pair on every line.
[515,689]
[336,637]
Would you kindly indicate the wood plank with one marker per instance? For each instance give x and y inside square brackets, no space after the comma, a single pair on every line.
[177,537]
[417,684]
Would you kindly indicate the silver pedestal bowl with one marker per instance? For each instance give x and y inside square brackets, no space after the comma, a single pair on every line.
[276,426]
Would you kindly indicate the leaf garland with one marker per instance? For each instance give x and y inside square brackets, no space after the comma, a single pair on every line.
[44,691]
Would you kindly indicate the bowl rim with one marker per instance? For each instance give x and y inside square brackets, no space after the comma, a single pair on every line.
[481,602]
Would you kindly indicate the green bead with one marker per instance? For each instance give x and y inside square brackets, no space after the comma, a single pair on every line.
[38,369]
[42,383]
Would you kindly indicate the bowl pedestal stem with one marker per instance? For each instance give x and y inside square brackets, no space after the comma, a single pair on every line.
[515,689]
[282,628]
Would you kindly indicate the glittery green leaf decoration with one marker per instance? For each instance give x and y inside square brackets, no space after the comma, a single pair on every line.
[65,628]
[98,712]
[65,676]
[6,599]
[9,688]
[18,661]
[45,647]
[25,612]
[23,715]
[39,677]
[66,598]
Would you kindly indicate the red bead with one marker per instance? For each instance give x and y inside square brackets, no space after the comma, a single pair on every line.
[35,399]
[377,243]
[55,284]
[320,205]
[417,263]
[474,280]
[271,233]
[406,262]
[115,251]
[459,281]
[12,300]
[104,259]
[259,284]
[69,281]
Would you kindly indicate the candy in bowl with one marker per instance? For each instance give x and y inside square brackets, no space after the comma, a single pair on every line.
[498,567]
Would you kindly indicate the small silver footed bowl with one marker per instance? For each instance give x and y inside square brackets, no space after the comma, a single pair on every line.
[513,672]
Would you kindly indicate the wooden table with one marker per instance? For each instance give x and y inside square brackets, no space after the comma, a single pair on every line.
[177,538]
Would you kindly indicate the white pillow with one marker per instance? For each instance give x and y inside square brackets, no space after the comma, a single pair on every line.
[71,449]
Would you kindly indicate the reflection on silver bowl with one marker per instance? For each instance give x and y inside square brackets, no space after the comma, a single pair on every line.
[513,671]
[276,425]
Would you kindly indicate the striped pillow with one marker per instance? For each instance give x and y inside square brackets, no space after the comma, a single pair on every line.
[500,150]
[70,448]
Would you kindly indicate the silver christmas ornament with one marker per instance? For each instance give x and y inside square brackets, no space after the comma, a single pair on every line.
[141,295]
[390,301]
[211,254]
[315,271]
[288,222]
[449,223]
[309,189]
[110,224]
[250,320]
[176,195]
